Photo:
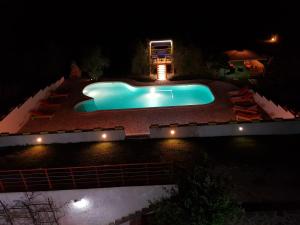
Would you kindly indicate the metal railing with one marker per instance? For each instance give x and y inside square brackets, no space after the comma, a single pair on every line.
[86,177]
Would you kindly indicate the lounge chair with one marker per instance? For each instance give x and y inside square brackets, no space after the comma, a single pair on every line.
[39,114]
[246,98]
[247,117]
[58,95]
[47,103]
[248,109]
[240,92]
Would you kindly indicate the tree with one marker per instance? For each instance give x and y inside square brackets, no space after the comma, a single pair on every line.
[140,62]
[94,63]
[188,60]
[200,199]
[219,61]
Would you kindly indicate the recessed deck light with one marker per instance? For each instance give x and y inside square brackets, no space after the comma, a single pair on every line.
[39,140]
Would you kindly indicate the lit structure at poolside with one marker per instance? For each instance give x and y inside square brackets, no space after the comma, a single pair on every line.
[161,59]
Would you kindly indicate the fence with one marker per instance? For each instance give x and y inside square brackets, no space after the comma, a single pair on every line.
[86,177]
[13,122]
[273,110]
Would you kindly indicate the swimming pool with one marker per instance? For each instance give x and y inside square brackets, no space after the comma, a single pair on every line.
[120,95]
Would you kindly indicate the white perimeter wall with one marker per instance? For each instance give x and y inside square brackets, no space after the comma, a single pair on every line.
[273,110]
[60,137]
[230,129]
[14,121]
[105,205]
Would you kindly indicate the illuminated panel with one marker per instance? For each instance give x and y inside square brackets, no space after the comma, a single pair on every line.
[161,72]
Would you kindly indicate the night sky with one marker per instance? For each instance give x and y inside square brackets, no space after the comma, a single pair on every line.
[29,31]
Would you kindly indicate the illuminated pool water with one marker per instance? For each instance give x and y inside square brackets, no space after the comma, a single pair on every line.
[119,95]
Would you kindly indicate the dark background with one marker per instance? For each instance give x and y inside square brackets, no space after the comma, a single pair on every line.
[40,39]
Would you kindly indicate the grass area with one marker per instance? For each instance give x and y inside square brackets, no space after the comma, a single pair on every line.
[260,150]
[263,168]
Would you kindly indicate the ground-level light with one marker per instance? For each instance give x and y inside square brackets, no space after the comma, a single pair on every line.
[104,136]
[172,132]
[241,128]
[39,140]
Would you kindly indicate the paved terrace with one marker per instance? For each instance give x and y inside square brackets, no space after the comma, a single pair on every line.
[135,121]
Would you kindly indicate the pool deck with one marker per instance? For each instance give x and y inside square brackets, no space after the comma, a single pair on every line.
[135,121]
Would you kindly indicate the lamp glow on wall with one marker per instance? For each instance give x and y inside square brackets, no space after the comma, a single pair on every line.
[81,203]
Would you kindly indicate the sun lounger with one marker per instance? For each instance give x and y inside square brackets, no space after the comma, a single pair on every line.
[242,99]
[247,117]
[47,103]
[58,95]
[38,114]
[240,92]
[248,109]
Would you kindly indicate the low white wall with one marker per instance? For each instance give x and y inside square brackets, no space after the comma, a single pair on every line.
[14,121]
[104,205]
[230,129]
[273,110]
[63,137]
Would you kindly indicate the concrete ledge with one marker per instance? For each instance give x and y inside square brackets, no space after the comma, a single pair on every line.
[283,127]
[62,137]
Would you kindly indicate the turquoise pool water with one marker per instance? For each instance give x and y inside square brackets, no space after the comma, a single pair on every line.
[119,95]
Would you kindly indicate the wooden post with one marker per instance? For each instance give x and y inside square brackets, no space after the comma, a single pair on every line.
[147,173]
[97,177]
[48,179]
[23,180]
[72,175]
[2,189]
[122,173]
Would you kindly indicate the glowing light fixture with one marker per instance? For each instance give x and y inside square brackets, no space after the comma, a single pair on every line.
[161,41]
[161,72]
[172,132]
[273,39]
[81,204]
[39,140]
[241,128]
[104,136]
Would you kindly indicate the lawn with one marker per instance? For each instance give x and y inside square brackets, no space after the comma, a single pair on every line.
[262,168]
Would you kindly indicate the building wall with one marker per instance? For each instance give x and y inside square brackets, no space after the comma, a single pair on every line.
[104,205]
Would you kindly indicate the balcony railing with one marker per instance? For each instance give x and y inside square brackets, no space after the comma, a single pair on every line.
[86,177]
